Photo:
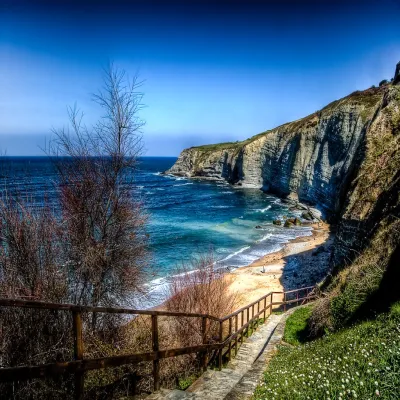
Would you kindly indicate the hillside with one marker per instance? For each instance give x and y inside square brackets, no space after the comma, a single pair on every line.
[344,159]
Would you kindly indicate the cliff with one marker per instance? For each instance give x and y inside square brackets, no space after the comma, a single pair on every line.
[310,159]
[345,159]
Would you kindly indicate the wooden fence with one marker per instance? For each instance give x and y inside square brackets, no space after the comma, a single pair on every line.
[240,324]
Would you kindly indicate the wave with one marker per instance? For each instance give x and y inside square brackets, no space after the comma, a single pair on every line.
[234,254]
[183,184]
[262,210]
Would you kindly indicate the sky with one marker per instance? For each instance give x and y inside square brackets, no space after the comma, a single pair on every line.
[212,71]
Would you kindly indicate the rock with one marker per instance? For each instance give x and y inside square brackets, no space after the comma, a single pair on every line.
[396,78]
[297,222]
[307,215]
[288,224]
[307,160]
[258,227]
[277,222]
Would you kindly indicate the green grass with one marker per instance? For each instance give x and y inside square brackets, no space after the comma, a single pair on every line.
[362,362]
[184,383]
[296,331]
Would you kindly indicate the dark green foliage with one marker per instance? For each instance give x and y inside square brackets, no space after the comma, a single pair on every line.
[296,329]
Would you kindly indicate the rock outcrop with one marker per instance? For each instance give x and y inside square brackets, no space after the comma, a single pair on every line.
[344,158]
[310,159]
[396,79]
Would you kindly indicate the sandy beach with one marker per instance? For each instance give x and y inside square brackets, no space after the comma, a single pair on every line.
[302,262]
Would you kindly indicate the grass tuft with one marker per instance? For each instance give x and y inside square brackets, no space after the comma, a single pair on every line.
[296,329]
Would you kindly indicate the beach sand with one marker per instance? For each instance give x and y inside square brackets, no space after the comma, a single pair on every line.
[302,262]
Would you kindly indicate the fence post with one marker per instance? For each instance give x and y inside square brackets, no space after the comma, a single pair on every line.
[252,317]
[297,298]
[248,320]
[156,363]
[236,327]
[221,348]
[270,304]
[204,341]
[242,323]
[265,308]
[284,301]
[230,342]
[78,353]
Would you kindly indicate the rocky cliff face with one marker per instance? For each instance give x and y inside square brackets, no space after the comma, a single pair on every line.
[344,158]
[372,201]
[310,159]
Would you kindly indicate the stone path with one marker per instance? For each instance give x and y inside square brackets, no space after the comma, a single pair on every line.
[241,376]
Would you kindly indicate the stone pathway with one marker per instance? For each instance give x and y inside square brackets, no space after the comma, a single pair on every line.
[241,376]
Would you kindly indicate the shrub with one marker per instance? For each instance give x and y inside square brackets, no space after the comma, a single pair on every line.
[200,287]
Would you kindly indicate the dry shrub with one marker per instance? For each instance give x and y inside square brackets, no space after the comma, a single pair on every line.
[200,287]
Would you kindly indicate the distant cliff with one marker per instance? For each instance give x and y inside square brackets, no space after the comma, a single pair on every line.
[310,159]
[344,158]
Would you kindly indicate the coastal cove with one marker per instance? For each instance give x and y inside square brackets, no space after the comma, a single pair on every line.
[186,217]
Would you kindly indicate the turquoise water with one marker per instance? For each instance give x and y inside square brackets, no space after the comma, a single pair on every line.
[186,217]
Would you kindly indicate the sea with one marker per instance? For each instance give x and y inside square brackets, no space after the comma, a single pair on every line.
[187,218]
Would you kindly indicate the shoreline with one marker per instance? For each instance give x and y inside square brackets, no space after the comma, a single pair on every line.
[302,261]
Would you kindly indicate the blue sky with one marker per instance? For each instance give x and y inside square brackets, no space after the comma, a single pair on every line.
[212,71]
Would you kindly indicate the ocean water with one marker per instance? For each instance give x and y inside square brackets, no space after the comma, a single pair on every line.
[186,217]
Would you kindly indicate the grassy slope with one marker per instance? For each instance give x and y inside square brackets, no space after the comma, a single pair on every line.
[362,362]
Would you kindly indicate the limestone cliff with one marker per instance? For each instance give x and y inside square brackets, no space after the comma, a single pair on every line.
[310,159]
[344,158]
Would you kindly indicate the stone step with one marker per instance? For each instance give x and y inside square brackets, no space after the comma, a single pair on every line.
[217,385]
[168,394]
[246,386]
[242,374]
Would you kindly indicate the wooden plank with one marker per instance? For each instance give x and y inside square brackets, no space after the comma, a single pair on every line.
[204,341]
[245,307]
[220,350]
[156,362]
[78,353]
[110,310]
[265,308]
[241,325]
[236,338]
[230,342]
[248,320]
[54,369]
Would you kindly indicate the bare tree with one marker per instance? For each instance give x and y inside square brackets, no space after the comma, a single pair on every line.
[90,250]
[103,221]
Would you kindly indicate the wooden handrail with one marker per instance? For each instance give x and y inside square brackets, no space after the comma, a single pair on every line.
[249,305]
[80,364]
[110,310]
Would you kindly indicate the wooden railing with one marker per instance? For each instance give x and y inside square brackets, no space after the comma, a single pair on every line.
[240,324]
